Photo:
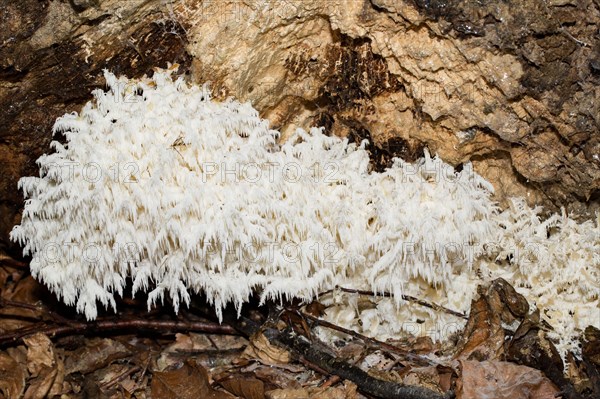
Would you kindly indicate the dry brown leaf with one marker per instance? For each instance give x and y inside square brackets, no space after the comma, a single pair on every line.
[40,386]
[575,371]
[96,354]
[278,377]
[288,394]
[483,336]
[351,390]
[40,353]
[328,393]
[446,375]
[347,391]
[506,301]
[27,290]
[223,342]
[315,308]
[12,377]
[245,387]
[502,380]
[427,377]
[46,368]
[208,350]
[420,345]
[261,348]
[184,343]
[530,346]
[18,353]
[6,274]
[129,385]
[188,382]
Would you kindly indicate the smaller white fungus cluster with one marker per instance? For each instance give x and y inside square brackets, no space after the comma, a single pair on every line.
[162,185]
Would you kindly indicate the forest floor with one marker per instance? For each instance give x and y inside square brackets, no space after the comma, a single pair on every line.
[47,350]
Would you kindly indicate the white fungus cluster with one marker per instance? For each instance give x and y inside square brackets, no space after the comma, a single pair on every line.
[159,184]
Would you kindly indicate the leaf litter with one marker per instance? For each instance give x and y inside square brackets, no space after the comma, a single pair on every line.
[488,359]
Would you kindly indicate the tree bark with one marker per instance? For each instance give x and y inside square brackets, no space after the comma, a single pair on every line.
[512,86]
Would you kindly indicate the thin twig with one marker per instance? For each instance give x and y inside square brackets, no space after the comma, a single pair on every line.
[334,379]
[408,298]
[146,364]
[372,341]
[74,327]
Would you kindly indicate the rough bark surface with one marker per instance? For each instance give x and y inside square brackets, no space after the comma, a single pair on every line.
[513,86]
